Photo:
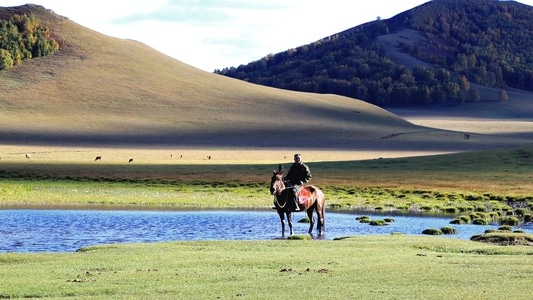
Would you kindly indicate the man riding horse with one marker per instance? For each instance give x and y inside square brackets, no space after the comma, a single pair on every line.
[298,174]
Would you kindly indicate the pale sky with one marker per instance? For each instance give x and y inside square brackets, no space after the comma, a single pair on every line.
[214,34]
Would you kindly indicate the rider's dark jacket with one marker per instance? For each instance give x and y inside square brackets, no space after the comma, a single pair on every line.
[298,172]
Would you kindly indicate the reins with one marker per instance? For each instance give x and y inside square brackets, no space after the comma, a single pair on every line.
[278,190]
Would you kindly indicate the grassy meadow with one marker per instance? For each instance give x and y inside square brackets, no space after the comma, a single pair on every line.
[377,267]
[391,266]
[189,179]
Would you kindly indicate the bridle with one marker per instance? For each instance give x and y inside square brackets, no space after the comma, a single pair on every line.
[278,186]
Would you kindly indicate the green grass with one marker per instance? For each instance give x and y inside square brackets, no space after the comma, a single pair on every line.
[378,267]
[471,186]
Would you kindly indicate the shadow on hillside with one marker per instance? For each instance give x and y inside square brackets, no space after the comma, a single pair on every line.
[422,140]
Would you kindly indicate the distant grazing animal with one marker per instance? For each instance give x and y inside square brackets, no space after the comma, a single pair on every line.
[131,159]
[313,198]
[28,156]
[98,158]
[209,157]
[467,136]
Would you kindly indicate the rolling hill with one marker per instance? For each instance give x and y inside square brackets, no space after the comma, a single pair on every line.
[103,91]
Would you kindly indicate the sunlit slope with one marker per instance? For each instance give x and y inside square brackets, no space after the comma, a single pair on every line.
[103,90]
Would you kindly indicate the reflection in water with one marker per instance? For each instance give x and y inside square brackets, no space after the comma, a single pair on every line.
[31,230]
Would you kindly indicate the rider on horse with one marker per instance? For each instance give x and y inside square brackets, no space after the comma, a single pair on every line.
[298,174]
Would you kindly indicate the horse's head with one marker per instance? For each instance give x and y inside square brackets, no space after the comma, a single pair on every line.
[276,182]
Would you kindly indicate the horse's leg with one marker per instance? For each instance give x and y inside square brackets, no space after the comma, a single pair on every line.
[311,218]
[321,220]
[282,219]
[289,218]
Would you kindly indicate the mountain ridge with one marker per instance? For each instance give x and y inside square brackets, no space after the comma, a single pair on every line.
[433,53]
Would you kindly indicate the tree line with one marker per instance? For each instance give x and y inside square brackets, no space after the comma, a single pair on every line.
[485,42]
[22,37]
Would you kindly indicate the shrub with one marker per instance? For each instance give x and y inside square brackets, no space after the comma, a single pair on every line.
[448,230]
[451,210]
[466,208]
[505,228]
[480,215]
[528,218]
[378,223]
[363,219]
[520,212]
[494,215]
[6,61]
[480,221]
[465,218]
[472,197]
[507,208]
[512,221]
[432,231]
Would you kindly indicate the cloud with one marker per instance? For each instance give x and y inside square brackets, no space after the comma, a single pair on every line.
[202,12]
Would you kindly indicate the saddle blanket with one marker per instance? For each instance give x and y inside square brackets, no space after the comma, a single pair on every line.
[304,196]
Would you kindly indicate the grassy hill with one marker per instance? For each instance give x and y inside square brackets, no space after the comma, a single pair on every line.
[99,90]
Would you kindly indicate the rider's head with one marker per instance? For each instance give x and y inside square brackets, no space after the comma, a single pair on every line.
[298,158]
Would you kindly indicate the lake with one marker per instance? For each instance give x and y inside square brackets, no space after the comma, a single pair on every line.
[43,230]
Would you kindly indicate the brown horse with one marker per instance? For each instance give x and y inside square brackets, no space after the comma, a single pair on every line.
[311,199]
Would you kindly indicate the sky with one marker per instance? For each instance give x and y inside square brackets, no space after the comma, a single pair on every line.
[214,34]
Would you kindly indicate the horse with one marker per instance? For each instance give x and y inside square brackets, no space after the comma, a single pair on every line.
[311,199]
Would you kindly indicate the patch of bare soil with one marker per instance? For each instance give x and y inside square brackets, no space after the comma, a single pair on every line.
[406,36]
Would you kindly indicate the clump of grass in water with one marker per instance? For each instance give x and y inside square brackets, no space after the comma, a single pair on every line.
[378,223]
[432,231]
[363,219]
[448,230]
[303,237]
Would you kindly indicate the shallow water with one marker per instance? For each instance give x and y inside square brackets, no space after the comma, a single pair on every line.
[32,230]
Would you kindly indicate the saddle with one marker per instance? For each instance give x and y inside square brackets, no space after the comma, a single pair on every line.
[303,196]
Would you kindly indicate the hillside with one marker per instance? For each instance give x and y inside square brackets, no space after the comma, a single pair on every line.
[102,91]
[431,54]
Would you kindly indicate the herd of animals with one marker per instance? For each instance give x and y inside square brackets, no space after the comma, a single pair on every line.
[97,158]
